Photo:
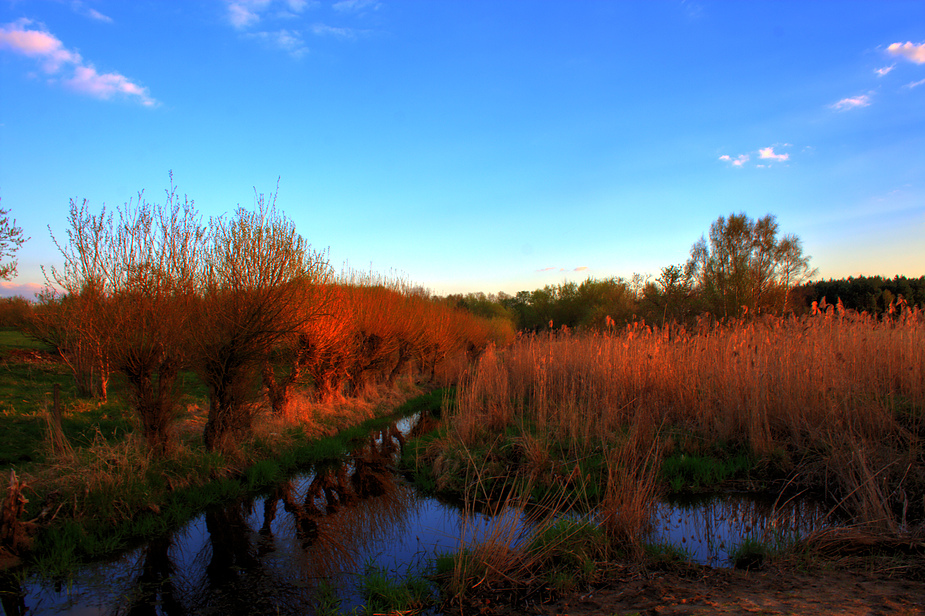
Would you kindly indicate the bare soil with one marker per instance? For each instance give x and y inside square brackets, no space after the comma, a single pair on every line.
[725,591]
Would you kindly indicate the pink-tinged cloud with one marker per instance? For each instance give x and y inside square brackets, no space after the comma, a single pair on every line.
[13,289]
[914,84]
[738,161]
[107,85]
[581,268]
[909,51]
[54,56]
[851,103]
[886,69]
[768,153]
[547,269]
[38,44]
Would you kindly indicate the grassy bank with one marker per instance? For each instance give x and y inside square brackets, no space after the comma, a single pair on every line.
[92,485]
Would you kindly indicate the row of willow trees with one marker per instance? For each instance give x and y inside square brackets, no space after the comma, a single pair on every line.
[242,301]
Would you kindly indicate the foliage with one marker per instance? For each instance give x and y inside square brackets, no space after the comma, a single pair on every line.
[871,294]
[745,266]
[11,239]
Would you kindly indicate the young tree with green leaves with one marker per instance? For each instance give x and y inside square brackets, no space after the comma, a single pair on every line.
[11,239]
[746,267]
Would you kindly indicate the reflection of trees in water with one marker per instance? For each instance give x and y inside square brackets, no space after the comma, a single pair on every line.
[155,584]
[342,510]
[711,528]
[261,556]
[302,533]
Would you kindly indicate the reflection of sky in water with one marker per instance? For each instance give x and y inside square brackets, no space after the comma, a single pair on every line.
[708,529]
[257,558]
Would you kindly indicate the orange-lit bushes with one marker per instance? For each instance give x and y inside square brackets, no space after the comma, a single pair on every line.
[377,330]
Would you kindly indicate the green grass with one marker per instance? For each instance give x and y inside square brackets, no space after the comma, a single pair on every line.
[11,338]
[27,393]
[386,594]
[684,472]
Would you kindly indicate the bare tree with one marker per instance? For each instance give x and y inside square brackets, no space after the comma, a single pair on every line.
[251,300]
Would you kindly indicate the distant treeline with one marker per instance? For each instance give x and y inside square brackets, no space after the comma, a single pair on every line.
[872,294]
[614,302]
[742,269]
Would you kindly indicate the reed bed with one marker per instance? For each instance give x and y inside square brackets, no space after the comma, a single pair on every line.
[840,396]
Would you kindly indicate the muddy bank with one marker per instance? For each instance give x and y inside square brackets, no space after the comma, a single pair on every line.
[727,591]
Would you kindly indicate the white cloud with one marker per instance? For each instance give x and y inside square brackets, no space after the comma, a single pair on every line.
[355,5]
[768,153]
[82,9]
[298,6]
[94,14]
[851,103]
[885,70]
[55,57]
[909,51]
[245,13]
[325,30]
[738,161]
[289,41]
[915,84]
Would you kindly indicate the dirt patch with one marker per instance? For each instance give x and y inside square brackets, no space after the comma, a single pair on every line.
[30,356]
[723,591]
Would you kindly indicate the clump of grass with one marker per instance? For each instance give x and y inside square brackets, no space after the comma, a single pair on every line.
[684,472]
[386,594]
[749,554]
[569,550]
[632,488]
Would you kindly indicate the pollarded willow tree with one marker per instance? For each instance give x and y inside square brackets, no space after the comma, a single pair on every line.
[128,282]
[745,266]
[251,299]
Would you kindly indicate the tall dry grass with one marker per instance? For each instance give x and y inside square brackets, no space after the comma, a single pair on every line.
[841,394]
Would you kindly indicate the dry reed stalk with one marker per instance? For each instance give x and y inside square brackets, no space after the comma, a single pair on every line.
[771,384]
[632,488]
[57,444]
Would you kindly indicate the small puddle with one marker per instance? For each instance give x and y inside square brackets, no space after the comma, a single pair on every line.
[315,535]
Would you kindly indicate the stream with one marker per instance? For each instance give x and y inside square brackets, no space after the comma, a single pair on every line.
[306,544]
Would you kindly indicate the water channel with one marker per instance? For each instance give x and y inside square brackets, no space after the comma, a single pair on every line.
[314,536]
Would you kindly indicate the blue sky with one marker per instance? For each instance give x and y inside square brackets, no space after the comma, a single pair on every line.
[475,145]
